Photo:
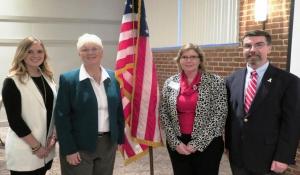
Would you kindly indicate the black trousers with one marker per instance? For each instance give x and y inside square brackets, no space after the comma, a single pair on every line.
[198,163]
[40,171]
[242,171]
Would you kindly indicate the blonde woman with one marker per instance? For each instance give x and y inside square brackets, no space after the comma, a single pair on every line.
[28,96]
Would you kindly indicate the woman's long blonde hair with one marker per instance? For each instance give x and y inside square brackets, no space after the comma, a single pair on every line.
[19,68]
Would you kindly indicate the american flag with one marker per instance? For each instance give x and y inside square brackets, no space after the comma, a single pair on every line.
[136,74]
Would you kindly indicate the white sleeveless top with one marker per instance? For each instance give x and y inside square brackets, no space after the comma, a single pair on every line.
[19,156]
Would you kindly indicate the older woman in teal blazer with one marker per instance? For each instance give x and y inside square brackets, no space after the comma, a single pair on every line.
[89,114]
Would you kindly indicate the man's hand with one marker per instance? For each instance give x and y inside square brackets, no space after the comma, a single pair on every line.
[278,167]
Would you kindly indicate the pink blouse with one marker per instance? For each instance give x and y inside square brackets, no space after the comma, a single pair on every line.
[186,103]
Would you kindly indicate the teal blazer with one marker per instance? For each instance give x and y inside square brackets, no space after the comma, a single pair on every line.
[76,113]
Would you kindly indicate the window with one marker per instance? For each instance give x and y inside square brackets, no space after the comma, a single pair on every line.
[196,21]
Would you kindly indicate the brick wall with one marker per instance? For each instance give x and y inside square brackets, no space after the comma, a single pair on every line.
[224,60]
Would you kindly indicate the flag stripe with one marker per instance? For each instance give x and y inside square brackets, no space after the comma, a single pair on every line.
[123,44]
[129,51]
[140,67]
[153,110]
[129,17]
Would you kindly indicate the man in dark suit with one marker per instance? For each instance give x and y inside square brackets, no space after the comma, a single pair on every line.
[262,129]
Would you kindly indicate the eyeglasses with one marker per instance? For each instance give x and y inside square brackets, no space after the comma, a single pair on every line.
[92,50]
[255,46]
[185,58]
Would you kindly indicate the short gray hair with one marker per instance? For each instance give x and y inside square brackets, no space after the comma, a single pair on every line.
[88,38]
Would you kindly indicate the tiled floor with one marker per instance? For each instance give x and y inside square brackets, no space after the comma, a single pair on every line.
[140,167]
[161,161]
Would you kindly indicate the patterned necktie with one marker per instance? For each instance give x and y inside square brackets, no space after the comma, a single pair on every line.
[251,90]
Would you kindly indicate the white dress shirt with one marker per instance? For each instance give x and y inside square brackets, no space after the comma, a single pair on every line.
[103,118]
[260,73]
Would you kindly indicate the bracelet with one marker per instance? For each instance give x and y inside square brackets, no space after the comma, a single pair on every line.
[34,149]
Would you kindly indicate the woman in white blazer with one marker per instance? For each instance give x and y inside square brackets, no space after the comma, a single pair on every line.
[28,96]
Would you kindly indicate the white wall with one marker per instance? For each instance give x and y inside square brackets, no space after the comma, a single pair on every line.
[59,23]
[176,22]
[210,21]
[162,22]
[295,54]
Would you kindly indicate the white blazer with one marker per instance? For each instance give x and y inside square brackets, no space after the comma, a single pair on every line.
[19,156]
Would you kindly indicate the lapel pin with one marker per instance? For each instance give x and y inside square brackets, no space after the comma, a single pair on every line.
[195,87]
[270,80]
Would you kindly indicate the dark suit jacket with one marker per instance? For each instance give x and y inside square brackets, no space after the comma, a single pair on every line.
[76,113]
[272,131]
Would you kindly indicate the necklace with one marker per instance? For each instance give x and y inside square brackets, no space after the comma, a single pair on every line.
[44,88]
[44,94]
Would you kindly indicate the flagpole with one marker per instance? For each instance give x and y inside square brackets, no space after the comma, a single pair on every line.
[151,160]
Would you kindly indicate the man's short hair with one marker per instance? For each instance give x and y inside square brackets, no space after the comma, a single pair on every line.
[258,33]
